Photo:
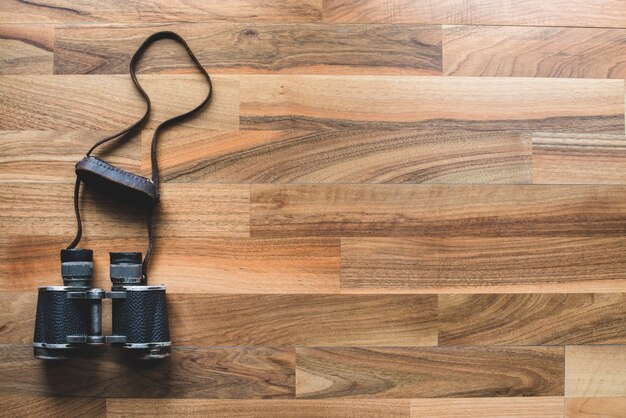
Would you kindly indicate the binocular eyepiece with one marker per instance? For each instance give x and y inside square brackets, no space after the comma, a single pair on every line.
[70,316]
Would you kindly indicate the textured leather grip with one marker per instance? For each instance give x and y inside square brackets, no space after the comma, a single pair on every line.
[142,315]
[57,317]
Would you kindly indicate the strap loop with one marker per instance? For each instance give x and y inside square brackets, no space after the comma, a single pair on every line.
[137,126]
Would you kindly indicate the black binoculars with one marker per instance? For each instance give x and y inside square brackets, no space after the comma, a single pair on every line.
[70,316]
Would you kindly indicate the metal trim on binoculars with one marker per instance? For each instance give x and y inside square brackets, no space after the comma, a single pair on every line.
[70,316]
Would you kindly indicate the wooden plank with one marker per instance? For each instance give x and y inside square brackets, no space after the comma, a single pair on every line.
[343,156]
[483,264]
[268,320]
[50,156]
[391,102]
[301,408]
[540,407]
[437,210]
[211,373]
[580,159]
[596,407]
[595,371]
[516,51]
[535,319]
[600,13]
[188,265]
[132,11]
[28,49]
[110,102]
[34,406]
[255,48]
[428,372]
[185,211]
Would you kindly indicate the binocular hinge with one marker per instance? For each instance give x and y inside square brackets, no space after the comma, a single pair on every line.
[94,296]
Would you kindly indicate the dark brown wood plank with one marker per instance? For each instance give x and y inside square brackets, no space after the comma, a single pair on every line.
[534,319]
[132,11]
[429,372]
[596,407]
[49,156]
[515,51]
[599,13]
[343,156]
[36,406]
[255,48]
[483,264]
[437,210]
[185,212]
[301,408]
[111,102]
[267,320]
[394,102]
[28,49]
[580,159]
[219,372]
[187,265]
[521,407]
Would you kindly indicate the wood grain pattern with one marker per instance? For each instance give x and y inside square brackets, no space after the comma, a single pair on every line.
[437,210]
[343,156]
[386,102]
[539,407]
[187,265]
[596,407]
[110,102]
[534,319]
[27,49]
[212,373]
[595,371]
[301,408]
[240,320]
[30,406]
[255,48]
[132,11]
[486,12]
[481,264]
[186,212]
[49,156]
[515,51]
[428,372]
[581,159]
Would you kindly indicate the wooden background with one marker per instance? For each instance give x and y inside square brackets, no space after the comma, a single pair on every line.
[392,208]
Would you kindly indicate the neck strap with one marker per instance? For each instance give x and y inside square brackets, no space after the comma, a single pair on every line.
[137,126]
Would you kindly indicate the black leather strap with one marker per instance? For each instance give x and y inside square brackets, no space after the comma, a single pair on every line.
[143,191]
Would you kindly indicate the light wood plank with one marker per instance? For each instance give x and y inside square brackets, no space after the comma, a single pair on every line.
[50,156]
[255,48]
[187,265]
[481,264]
[428,372]
[267,320]
[515,51]
[387,102]
[110,102]
[596,407]
[437,210]
[540,407]
[34,406]
[333,408]
[184,212]
[599,13]
[579,159]
[202,373]
[535,319]
[344,156]
[132,11]
[595,371]
[27,49]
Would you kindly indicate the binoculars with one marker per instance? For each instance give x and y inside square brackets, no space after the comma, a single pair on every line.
[70,316]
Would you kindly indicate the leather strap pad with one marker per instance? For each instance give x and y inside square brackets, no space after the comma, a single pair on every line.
[115,182]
